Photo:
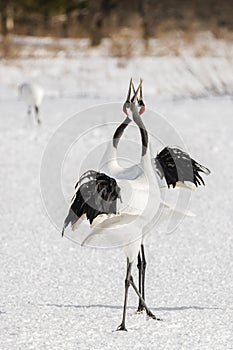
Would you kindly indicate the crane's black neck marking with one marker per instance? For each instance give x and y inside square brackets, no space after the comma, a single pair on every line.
[119,131]
[143,131]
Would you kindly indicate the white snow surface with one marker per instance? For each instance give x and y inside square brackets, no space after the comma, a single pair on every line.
[55,294]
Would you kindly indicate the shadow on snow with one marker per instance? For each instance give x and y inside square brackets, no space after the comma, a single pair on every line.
[178,308]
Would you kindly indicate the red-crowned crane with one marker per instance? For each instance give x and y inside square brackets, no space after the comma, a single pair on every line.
[171,163]
[98,196]
[96,201]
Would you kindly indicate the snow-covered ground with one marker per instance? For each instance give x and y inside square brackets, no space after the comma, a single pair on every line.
[105,76]
[55,294]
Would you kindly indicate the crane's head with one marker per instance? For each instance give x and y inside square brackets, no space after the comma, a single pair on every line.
[135,101]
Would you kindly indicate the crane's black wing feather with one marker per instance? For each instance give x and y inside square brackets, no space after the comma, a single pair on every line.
[96,193]
[176,165]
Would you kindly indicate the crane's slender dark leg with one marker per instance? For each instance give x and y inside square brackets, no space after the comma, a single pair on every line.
[139,266]
[148,311]
[144,263]
[142,274]
[37,115]
[127,284]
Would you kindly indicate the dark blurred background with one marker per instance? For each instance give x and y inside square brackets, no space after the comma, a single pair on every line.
[104,18]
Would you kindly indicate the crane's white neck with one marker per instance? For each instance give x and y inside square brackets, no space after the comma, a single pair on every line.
[110,162]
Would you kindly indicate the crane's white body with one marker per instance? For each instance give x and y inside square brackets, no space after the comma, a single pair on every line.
[110,165]
[31,93]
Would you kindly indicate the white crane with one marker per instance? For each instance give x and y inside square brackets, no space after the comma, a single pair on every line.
[96,201]
[32,94]
[172,163]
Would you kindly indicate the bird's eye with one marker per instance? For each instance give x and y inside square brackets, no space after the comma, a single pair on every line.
[142,107]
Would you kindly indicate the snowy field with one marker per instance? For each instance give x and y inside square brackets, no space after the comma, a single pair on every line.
[55,294]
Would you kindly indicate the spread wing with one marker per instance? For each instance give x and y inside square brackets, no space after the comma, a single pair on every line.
[96,193]
[176,165]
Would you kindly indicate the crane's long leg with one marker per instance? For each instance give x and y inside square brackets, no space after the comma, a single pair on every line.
[127,284]
[149,313]
[139,266]
[37,115]
[144,263]
[142,274]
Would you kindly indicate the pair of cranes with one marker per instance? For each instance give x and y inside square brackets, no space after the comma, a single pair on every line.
[104,203]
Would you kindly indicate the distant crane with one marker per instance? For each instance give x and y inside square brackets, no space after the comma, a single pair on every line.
[32,94]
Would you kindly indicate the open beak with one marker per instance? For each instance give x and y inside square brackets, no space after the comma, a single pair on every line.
[141,103]
[126,104]
[134,90]
[133,99]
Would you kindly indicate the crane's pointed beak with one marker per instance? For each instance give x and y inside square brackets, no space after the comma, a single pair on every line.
[133,99]
[140,93]
[129,91]
[127,102]
[133,88]
[141,102]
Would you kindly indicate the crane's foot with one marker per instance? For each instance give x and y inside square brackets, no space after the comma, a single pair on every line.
[140,309]
[151,315]
[121,328]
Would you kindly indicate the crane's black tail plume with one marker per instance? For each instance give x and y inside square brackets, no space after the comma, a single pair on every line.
[96,194]
[176,165]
